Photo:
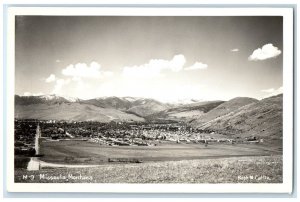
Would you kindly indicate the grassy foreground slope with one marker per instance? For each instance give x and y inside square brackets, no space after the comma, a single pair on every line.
[263,169]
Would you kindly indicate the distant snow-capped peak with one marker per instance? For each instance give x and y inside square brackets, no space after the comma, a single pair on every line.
[56,97]
[131,99]
[185,101]
[71,99]
[127,98]
[49,97]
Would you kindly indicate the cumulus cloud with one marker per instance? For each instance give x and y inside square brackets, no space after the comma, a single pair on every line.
[154,67]
[32,94]
[82,70]
[234,50]
[51,78]
[271,92]
[107,73]
[74,75]
[197,65]
[266,52]
[59,85]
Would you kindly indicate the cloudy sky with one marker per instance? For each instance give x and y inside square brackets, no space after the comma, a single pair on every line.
[166,58]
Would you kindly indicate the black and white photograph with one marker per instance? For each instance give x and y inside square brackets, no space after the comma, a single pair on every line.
[150,99]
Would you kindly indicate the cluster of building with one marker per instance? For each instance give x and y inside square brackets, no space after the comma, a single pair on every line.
[120,141]
[138,137]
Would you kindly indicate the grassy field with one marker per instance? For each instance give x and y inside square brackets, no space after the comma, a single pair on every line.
[82,152]
[256,169]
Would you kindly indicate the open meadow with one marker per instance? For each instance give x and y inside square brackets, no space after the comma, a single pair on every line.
[83,152]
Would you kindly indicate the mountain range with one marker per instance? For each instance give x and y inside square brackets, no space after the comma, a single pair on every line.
[103,109]
[241,115]
[257,118]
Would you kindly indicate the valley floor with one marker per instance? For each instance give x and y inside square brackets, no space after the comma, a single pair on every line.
[86,153]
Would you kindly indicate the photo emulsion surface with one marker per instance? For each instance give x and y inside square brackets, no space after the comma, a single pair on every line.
[153,99]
